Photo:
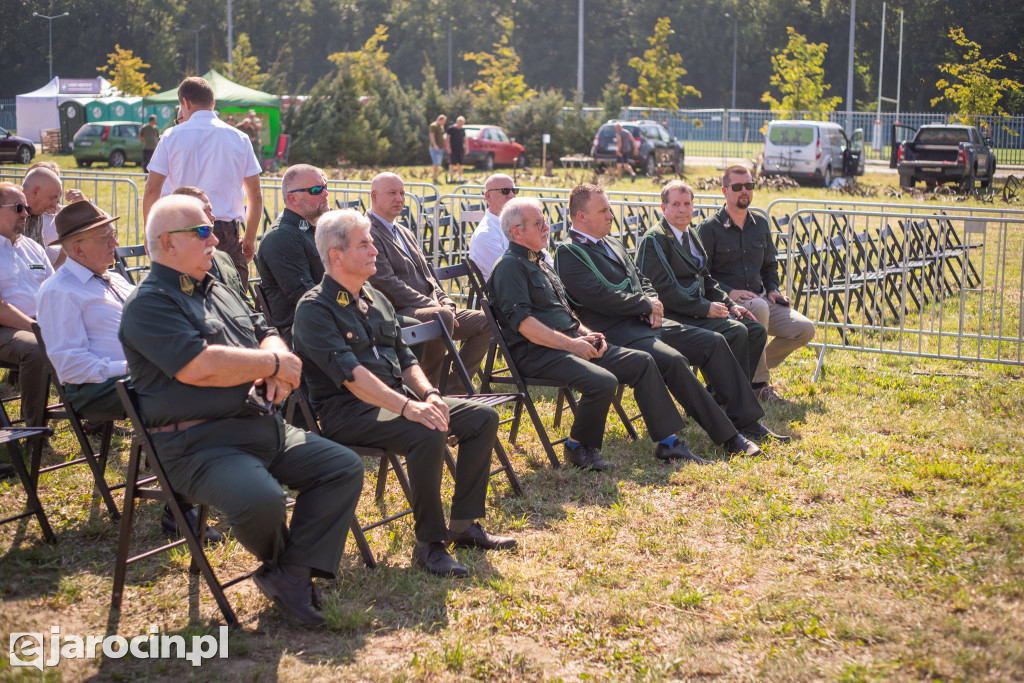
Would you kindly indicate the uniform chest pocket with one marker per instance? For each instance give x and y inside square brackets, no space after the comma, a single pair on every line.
[539,285]
[386,331]
[758,244]
[212,330]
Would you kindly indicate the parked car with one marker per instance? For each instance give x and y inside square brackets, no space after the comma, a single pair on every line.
[15,148]
[115,142]
[653,146]
[490,146]
[812,150]
[943,153]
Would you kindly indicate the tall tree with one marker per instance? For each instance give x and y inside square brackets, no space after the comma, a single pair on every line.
[660,72]
[499,83]
[244,64]
[125,72]
[971,87]
[613,95]
[799,78]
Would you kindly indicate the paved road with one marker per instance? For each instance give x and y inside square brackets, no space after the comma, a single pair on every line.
[873,165]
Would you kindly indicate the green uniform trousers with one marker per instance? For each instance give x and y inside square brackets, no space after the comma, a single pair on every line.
[476,427]
[238,465]
[96,400]
[597,381]
[746,338]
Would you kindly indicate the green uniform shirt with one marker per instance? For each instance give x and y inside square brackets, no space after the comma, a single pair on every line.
[169,320]
[740,258]
[333,335]
[523,286]
[150,136]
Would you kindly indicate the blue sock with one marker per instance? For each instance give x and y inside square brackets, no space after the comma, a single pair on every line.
[670,441]
[572,444]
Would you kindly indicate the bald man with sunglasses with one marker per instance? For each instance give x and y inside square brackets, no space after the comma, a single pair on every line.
[287,259]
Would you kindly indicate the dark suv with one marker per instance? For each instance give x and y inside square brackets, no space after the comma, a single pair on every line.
[653,147]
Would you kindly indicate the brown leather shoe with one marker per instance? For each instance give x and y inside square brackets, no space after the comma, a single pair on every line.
[768,395]
[478,537]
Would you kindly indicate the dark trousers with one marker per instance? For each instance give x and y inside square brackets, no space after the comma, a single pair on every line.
[238,466]
[147,154]
[476,427]
[96,400]
[230,242]
[597,381]
[746,338]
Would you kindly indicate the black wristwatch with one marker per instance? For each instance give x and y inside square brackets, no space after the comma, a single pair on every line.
[428,392]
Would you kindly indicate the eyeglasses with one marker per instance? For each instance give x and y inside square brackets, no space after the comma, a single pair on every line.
[315,190]
[736,187]
[18,207]
[203,231]
[179,119]
[504,190]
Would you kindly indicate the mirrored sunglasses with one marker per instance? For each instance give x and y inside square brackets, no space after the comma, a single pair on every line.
[315,190]
[203,231]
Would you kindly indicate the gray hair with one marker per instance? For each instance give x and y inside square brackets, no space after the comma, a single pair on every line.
[512,214]
[333,231]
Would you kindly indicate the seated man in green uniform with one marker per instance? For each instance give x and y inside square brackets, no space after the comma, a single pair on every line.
[369,390]
[611,297]
[673,258]
[222,267]
[547,341]
[208,371]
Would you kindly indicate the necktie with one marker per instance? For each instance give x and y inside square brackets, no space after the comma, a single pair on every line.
[398,238]
[694,250]
[105,279]
[609,251]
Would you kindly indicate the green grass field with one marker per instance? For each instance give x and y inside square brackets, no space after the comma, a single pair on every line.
[886,542]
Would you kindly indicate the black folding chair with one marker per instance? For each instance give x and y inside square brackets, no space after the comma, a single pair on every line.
[121,265]
[97,462]
[10,436]
[158,487]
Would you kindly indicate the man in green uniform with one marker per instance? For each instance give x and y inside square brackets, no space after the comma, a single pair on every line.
[547,341]
[672,257]
[611,296]
[208,371]
[369,390]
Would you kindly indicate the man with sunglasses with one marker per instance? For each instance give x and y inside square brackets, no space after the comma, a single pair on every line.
[741,256]
[287,259]
[23,269]
[209,372]
[205,152]
[488,242]
[407,280]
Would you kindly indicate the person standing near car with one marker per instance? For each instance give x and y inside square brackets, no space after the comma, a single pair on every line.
[149,134]
[436,138]
[207,153]
[741,256]
[623,152]
[457,145]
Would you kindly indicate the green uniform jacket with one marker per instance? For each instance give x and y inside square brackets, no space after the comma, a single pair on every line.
[683,286]
[740,258]
[170,319]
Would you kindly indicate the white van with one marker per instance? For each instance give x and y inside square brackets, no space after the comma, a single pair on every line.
[812,151]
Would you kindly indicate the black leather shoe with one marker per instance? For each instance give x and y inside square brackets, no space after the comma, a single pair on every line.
[6,470]
[292,595]
[740,445]
[478,537]
[435,559]
[678,452]
[586,458]
[167,523]
[759,433]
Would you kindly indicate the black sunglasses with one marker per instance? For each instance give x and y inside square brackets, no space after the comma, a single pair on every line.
[315,190]
[505,190]
[18,208]
[203,231]
[736,187]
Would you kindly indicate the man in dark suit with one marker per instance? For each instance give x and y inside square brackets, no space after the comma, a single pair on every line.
[407,280]
[673,258]
[610,296]
[287,259]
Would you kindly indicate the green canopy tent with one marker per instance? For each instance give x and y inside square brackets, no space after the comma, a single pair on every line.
[232,100]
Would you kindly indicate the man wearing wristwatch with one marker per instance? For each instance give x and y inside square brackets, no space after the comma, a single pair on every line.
[741,256]
[369,390]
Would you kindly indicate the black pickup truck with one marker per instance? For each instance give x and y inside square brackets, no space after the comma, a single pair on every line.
[943,154]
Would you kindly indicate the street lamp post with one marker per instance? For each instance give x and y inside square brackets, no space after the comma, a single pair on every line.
[734,30]
[195,32]
[50,20]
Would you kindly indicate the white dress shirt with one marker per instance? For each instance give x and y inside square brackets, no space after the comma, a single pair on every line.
[79,317]
[23,268]
[211,155]
[488,243]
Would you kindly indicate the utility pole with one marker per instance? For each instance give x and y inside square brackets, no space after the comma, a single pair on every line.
[579,56]
[50,20]
[231,48]
[849,72]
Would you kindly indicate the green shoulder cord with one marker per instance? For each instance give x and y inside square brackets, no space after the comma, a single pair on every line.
[584,257]
[696,289]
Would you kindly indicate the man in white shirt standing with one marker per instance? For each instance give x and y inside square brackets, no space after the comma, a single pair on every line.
[207,153]
[23,268]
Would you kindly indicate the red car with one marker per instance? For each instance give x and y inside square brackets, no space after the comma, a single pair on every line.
[490,146]
[14,148]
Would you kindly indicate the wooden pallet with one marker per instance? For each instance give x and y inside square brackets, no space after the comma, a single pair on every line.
[50,140]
